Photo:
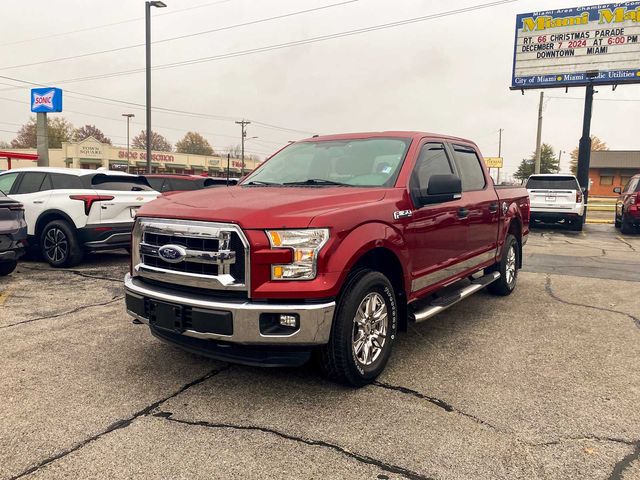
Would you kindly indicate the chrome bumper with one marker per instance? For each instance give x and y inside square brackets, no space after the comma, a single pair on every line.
[315,319]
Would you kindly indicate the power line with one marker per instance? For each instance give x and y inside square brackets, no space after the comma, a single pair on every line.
[294,43]
[220,29]
[112,24]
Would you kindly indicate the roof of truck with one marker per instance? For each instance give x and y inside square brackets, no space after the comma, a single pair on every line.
[391,133]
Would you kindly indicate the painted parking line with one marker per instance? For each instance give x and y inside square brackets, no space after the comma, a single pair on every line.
[4,295]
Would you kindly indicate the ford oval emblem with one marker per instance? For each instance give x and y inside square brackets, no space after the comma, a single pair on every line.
[172,253]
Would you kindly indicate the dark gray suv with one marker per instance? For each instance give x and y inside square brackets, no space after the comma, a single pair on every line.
[13,234]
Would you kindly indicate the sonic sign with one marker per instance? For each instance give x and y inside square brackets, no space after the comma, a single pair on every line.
[576,46]
[46,100]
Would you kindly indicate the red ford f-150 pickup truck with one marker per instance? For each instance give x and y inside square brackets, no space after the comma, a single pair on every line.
[331,246]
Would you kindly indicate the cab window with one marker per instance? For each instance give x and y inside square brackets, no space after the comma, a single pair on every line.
[471,171]
[433,160]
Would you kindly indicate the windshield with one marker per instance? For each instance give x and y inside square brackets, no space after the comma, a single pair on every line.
[552,183]
[373,162]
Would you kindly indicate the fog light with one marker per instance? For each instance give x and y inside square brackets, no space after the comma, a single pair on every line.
[287,320]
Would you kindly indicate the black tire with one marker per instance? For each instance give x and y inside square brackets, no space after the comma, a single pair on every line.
[506,284]
[576,225]
[626,226]
[59,245]
[617,223]
[340,358]
[7,267]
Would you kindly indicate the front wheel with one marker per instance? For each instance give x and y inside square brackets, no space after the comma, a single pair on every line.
[508,268]
[363,331]
[59,245]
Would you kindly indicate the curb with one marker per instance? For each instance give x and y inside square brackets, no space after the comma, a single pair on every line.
[600,222]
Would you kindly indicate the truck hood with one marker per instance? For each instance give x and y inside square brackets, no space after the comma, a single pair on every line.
[259,207]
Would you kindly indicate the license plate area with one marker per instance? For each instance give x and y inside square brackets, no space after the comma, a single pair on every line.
[549,199]
[166,316]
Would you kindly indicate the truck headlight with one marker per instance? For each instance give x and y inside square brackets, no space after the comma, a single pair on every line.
[305,244]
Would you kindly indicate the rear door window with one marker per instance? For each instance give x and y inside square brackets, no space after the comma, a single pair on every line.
[178,184]
[30,182]
[158,184]
[62,181]
[120,182]
[471,170]
[552,183]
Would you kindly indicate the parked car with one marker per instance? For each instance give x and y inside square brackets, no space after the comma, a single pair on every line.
[174,183]
[628,205]
[13,234]
[556,198]
[71,211]
[332,245]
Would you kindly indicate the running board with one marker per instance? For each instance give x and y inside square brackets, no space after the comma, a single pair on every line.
[442,303]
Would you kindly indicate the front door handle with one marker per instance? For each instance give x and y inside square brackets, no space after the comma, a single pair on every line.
[38,201]
[463,212]
[493,208]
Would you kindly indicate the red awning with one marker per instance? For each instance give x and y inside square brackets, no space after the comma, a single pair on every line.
[18,156]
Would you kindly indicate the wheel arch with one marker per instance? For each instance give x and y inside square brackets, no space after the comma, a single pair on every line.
[48,216]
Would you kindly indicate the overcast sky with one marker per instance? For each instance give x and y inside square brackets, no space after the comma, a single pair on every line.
[447,75]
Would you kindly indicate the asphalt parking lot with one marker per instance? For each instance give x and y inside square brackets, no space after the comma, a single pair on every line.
[542,384]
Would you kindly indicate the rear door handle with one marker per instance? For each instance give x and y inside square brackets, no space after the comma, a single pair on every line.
[463,212]
[493,208]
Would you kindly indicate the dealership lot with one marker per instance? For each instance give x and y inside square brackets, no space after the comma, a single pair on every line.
[544,384]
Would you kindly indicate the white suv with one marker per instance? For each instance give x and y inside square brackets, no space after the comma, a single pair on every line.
[70,211]
[556,198]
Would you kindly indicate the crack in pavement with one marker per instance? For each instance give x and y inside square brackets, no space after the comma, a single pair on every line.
[74,272]
[437,402]
[68,312]
[626,243]
[318,443]
[622,465]
[119,424]
[548,288]
[583,439]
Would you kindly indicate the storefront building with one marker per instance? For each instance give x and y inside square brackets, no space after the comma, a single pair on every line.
[610,169]
[92,154]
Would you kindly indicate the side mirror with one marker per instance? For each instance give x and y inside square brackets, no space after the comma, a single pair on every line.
[441,188]
[617,190]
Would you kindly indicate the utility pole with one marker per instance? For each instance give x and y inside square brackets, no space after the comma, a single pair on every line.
[129,117]
[560,152]
[228,158]
[539,137]
[499,154]
[243,123]
[147,17]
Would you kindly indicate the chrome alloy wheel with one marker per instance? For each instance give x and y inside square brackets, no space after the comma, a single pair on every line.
[369,329]
[56,245]
[510,270]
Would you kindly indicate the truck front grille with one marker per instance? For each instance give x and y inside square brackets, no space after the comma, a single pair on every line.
[208,255]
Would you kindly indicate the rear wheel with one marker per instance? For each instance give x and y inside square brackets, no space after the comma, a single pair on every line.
[363,331]
[577,224]
[508,268]
[617,223]
[7,267]
[626,225]
[59,244]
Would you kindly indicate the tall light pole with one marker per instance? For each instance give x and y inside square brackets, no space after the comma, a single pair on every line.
[147,18]
[243,123]
[129,117]
[560,159]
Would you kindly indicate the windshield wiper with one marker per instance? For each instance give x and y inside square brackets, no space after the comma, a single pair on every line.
[259,182]
[316,181]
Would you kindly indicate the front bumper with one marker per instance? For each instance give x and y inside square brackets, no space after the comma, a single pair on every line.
[232,321]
